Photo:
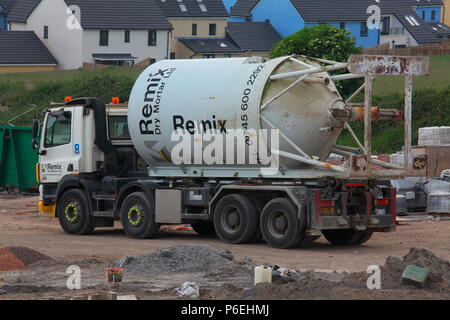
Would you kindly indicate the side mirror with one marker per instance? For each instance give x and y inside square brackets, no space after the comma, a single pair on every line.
[34,144]
[35,130]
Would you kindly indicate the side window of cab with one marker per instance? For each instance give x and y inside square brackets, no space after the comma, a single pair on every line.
[58,129]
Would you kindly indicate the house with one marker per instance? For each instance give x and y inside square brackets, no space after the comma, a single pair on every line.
[446,12]
[428,10]
[401,25]
[290,16]
[255,38]
[112,32]
[5,7]
[198,28]
[22,51]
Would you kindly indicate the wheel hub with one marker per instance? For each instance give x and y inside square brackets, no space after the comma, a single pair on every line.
[233,218]
[72,212]
[135,215]
[280,223]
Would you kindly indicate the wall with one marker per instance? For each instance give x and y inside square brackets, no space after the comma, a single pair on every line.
[400,39]
[372,39]
[446,12]
[281,14]
[3,24]
[138,46]
[183,28]
[427,11]
[23,69]
[228,4]
[64,43]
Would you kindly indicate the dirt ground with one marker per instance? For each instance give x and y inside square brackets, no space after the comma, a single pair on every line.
[20,225]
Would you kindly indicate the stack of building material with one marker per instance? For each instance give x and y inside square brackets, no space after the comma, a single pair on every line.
[397,158]
[438,196]
[434,136]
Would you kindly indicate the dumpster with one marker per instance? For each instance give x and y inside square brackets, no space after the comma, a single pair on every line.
[17,159]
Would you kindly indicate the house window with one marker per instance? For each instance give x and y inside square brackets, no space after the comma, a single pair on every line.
[104,37]
[364,30]
[45,32]
[433,15]
[172,56]
[209,56]
[385,25]
[212,29]
[342,25]
[227,55]
[152,38]
[423,15]
[127,36]
[194,29]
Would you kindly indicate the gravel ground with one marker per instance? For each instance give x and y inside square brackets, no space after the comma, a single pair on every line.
[185,258]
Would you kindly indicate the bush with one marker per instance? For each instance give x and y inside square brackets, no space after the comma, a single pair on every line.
[322,41]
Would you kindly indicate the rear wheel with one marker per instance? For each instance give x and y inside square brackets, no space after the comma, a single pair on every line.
[236,219]
[74,213]
[346,237]
[280,225]
[308,240]
[203,228]
[138,216]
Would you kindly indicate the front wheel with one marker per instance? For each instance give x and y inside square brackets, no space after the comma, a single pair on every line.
[138,216]
[74,213]
[347,237]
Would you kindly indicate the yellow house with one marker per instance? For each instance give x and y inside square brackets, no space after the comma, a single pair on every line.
[22,51]
[197,24]
[446,13]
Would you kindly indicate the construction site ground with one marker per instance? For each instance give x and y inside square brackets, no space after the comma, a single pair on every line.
[321,265]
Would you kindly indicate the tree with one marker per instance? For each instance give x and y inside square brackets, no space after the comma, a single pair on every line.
[322,41]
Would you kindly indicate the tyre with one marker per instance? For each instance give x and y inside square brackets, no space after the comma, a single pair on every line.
[204,228]
[259,206]
[347,237]
[280,225]
[308,240]
[74,212]
[138,216]
[365,237]
[236,219]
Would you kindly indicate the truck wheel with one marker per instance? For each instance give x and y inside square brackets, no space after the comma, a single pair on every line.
[279,224]
[259,206]
[308,240]
[235,219]
[347,237]
[365,237]
[138,216]
[203,228]
[74,213]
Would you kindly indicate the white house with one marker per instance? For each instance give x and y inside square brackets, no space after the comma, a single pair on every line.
[113,32]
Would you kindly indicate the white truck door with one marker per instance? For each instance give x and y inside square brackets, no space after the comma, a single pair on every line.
[57,146]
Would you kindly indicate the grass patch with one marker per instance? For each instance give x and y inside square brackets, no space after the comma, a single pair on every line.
[431,107]
[21,92]
[439,78]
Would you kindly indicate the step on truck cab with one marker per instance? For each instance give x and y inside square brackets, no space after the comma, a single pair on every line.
[103,163]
